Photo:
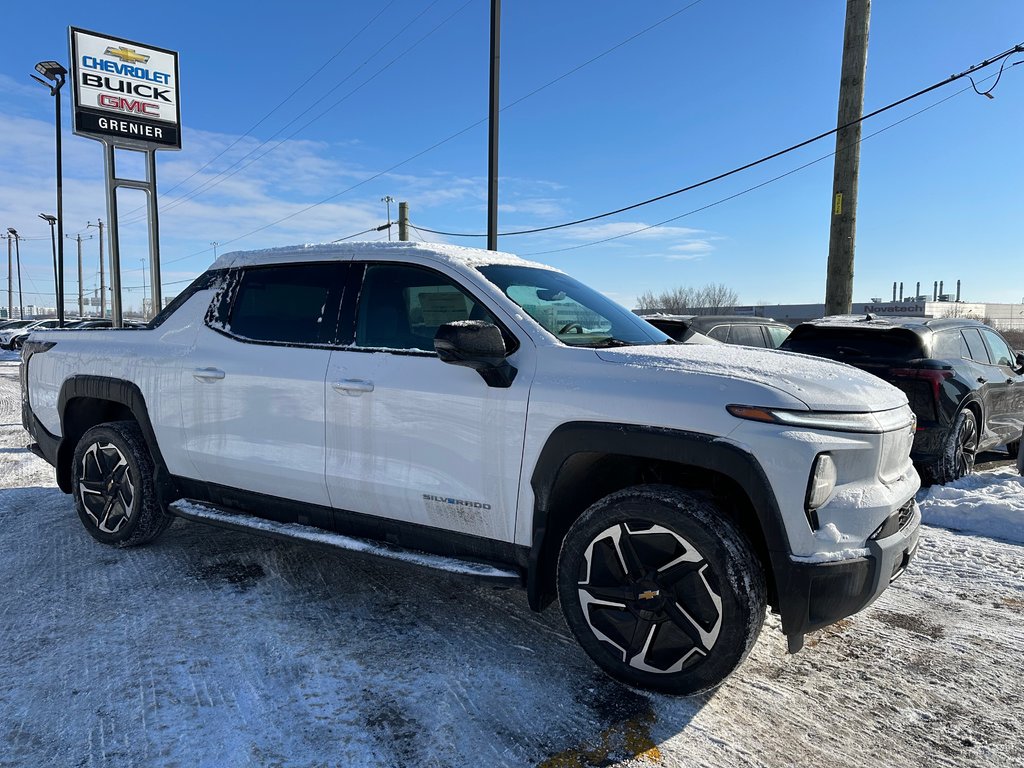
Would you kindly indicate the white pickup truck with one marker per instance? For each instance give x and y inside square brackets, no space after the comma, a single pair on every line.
[475,412]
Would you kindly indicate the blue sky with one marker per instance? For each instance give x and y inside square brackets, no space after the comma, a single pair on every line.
[715,86]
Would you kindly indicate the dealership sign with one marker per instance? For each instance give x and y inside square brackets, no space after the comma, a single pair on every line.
[125,93]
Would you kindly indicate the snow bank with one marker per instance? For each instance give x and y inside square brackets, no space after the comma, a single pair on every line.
[986,503]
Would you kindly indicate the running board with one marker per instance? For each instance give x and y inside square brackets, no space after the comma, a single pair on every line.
[206,513]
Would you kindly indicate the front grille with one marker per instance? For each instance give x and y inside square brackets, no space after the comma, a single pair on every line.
[896,522]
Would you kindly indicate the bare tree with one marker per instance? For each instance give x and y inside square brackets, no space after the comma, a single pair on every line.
[712,299]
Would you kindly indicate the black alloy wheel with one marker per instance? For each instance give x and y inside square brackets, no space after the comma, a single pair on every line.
[105,487]
[113,487]
[661,589]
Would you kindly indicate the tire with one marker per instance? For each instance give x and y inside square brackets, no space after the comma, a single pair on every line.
[959,449]
[112,483]
[1013,448]
[682,629]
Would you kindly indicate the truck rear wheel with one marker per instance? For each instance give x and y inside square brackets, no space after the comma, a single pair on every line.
[661,590]
[112,483]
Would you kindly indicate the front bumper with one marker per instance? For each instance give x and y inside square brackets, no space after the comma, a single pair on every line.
[817,594]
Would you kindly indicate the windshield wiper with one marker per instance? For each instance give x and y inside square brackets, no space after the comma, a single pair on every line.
[611,341]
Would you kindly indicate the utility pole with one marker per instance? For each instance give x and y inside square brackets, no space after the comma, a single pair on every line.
[17,255]
[81,294]
[403,222]
[843,230]
[103,285]
[492,140]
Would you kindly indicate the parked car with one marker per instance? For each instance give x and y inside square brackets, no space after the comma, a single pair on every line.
[488,416]
[962,379]
[728,329]
[10,337]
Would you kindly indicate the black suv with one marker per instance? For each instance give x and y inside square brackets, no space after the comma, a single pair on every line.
[962,379]
[730,329]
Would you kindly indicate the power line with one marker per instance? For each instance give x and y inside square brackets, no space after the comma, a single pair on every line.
[283,101]
[535,91]
[746,166]
[225,175]
[742,192]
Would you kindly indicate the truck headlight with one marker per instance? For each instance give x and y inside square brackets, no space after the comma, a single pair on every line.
[820,486]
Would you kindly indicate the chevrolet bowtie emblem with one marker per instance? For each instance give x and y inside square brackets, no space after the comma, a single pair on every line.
[127,54]
[650,594]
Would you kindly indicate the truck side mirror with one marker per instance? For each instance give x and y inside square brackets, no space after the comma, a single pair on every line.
[478,345]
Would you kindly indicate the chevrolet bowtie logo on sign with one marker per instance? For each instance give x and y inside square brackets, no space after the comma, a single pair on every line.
[125,92]
[127,54]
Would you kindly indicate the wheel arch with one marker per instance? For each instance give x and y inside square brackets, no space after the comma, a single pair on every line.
[86,401]
[585,461]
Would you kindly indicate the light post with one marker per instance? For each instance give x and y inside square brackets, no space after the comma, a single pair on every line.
[54,72]
[215,244]
[17,249]
[388,200]
[52,221]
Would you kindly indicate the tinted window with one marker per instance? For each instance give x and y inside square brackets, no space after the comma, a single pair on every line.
[749,335]
[777,335]
[289,304]
[852,343]
[975,346]
[1001,352]
[719,333]
[401,307]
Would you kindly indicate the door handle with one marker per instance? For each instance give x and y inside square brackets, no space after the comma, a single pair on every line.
[982,380]
[353,387]
[208,374]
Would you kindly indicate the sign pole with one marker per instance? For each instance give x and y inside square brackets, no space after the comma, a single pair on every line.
[117,319]
[154,234]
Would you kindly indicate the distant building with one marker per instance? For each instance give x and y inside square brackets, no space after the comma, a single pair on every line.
[1003,317]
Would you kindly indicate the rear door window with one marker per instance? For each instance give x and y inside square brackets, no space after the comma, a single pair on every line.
[288,304]
[975,346]
[719,333]
[748,335]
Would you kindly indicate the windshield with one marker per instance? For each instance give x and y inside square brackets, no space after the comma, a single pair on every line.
[575,314]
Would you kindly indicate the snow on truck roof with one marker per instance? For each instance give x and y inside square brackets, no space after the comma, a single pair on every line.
[456,254]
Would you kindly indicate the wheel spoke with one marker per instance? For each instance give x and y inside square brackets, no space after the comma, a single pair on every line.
[630,559]
[672,573]
[641,634]
[620,594]
[92,486]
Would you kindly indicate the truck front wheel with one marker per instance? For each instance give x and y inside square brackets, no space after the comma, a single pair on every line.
[112,483]
[661,590]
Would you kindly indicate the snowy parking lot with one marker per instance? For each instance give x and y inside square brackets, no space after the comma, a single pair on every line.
[215,648]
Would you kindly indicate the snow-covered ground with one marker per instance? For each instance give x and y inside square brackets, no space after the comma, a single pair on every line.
[213,648]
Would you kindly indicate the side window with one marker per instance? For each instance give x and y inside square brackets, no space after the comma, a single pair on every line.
[287,304]
[748,335]
[947,345]
[776,335]
[719,333]
[1000,350]
[975,346]
[401,307]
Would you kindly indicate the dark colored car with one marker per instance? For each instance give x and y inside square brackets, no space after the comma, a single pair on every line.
[962,379]
[729,329]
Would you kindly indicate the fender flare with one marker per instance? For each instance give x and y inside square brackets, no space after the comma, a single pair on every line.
[118,391]
[693,449]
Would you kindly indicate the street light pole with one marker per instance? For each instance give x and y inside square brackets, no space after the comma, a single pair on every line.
[56,73]
[52,220]
[10,279]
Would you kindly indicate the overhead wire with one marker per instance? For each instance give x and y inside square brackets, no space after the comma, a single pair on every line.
[280,104]
[745,166]
[744,191]
[227,173]
[468,128]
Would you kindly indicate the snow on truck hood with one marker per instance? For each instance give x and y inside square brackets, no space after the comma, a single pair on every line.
[822,385]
